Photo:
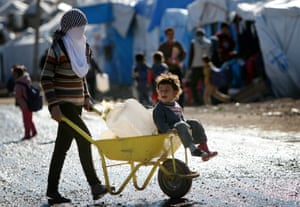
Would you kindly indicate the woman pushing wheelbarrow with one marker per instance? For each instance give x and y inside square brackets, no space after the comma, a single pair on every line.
[63,81]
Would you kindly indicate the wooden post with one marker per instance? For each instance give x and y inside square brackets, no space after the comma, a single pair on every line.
[36,69]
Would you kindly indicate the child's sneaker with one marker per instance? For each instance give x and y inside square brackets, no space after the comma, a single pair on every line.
[209,156]
[198,153]
[203,147]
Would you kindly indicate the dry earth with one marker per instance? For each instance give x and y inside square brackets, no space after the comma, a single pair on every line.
[275,115]
[235,178]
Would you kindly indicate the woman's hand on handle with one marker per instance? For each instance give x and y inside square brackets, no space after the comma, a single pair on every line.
[56,113]
[88,105]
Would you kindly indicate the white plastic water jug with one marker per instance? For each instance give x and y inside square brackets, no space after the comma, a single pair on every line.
[129,118]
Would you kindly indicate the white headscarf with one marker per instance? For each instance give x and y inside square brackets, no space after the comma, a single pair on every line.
[75,43]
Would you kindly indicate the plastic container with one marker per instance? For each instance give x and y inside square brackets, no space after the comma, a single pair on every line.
[129,118]
[102,81]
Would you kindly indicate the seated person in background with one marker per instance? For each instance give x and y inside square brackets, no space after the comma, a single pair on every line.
[168,117]
[236,67]
[213,83]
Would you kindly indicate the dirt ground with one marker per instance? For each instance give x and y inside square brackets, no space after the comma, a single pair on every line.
[278,114]
[234,178]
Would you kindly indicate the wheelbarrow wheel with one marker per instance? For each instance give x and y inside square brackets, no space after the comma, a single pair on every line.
[174,184]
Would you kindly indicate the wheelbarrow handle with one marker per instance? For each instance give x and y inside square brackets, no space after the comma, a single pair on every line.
[103,114]
[94,109]
[78,129]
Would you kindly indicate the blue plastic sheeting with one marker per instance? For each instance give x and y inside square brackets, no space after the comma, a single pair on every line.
[119,67]
[97,14]
[144,7]
[160,7]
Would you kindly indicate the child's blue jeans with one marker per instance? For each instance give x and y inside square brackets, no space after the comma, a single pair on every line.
[190,131]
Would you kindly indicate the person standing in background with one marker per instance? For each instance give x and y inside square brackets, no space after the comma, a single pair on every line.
[225,43]
[140,75]
[158,67]
[174,55]
[22,78]
[64,82]
[200,46]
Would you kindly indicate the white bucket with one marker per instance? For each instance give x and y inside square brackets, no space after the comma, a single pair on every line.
[102,81]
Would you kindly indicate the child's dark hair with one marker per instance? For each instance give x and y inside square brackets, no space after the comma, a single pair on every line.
[224,25]
[158,57]
[169,79]
[19,69]
[169,29]
[139,57]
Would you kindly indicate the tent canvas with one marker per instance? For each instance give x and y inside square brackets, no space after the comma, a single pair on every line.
[12,7]
[124,33]
[20,51]
[278,28]
[145,42]
[203,12]
[118,42]
[159,9]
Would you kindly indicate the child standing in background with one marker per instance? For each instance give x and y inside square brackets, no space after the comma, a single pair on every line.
[140,74]
[168,117]
[157,68]
[21,77]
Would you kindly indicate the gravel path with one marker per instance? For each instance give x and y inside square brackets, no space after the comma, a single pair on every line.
[255,167]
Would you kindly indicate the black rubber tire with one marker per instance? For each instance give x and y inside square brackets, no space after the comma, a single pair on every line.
[175,186]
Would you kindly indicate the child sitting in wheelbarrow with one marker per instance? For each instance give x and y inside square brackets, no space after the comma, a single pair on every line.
[168,117]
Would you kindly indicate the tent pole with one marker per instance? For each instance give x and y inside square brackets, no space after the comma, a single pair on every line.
[35,69]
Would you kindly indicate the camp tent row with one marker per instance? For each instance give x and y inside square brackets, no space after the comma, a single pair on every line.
[133,28]
[277,24]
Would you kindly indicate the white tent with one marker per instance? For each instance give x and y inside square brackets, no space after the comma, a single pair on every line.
[123,19]
[45,10]
[12,7]
[248,11]
[144,41]
[202,12]
[278,28]
[20,51]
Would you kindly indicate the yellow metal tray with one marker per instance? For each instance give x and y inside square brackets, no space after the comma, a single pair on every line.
[140,148]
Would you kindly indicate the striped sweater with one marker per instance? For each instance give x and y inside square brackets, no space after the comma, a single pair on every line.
[59,82]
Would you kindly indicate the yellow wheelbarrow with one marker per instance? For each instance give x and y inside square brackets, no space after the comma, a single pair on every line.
[154,151]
